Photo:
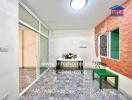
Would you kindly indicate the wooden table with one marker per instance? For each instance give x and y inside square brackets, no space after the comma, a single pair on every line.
[103,74]
[60,60]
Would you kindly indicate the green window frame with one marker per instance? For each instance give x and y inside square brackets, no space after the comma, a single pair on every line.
[109,44]
[114,44]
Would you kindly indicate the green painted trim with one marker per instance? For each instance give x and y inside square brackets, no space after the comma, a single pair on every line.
[115,44]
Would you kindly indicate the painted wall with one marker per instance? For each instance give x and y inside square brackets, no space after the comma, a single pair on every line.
[124,83]
[124,66]
[65,41]
[9,41]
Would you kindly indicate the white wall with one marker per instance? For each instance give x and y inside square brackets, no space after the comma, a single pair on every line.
[63,41]
[9,40]
[124,83]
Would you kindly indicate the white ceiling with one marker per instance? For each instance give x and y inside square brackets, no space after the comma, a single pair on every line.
[58,14]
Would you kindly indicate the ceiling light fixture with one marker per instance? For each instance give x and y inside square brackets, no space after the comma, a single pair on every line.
[78,4]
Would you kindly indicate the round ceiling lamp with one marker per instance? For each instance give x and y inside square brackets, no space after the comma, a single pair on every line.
[78,4]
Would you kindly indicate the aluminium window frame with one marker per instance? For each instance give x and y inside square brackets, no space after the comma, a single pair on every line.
[109,45]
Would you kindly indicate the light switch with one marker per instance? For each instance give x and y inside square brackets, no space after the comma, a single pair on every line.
[4,97]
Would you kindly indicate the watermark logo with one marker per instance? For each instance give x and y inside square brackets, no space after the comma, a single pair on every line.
[117,10]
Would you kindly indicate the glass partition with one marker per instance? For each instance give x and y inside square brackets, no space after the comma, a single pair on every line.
[43,53]
[44,30]
[27,57]
[25,16]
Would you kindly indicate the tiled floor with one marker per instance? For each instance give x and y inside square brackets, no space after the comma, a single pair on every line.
[70,85]
[26,77]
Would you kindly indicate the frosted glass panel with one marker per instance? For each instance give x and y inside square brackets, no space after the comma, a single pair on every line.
[43,53]
[44,30]
[25,16]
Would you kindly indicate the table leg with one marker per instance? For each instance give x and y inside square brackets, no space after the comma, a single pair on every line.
[116,82]
[58,65]
[100,82]
[81,65]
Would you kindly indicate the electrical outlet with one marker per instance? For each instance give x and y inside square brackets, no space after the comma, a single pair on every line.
[3,49]
[4,97]
[83,46]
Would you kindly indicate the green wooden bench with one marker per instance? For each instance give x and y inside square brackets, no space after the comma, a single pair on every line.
[103,74]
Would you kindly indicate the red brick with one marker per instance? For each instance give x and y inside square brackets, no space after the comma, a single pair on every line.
[124,66]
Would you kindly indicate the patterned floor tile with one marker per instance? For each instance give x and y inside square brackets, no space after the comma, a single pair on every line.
[70,85]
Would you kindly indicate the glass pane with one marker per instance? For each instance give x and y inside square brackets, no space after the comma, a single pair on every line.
[27,57]
[44,30]
[43,53]
[103,45]
[25,16]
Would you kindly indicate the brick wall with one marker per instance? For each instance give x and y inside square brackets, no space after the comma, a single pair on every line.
[124,65]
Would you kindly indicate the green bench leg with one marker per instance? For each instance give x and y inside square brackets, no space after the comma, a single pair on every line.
[93,74]
[100,82]
[105,78]
[116,82]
